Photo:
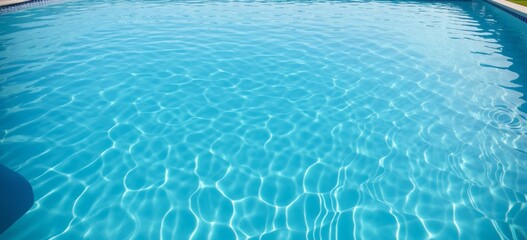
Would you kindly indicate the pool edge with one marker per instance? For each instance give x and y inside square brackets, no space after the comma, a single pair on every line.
[20,4]
[12,2]
[514,9]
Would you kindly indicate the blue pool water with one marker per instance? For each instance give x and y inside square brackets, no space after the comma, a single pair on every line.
[266,120]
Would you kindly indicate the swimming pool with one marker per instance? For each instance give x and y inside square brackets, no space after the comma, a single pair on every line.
[266,120]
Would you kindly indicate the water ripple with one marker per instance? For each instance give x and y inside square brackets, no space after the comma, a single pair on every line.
[266,120]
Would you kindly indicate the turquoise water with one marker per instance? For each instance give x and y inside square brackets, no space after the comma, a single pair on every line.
[266,120]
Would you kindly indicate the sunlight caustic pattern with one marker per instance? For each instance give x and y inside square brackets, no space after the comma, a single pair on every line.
[266,120]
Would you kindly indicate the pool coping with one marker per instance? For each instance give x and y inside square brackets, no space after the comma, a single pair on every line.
[11,2]
[514,9]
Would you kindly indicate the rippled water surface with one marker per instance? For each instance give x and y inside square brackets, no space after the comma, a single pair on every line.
[266,120]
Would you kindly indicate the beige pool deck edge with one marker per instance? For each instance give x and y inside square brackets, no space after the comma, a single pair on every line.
[514,7]
[11,2]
